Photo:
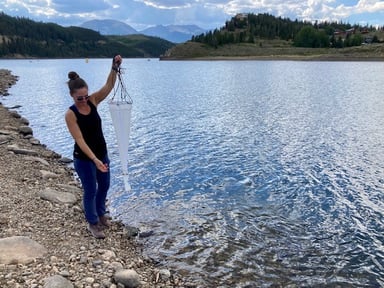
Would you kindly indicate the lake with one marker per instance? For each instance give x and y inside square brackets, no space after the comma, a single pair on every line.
[249,173]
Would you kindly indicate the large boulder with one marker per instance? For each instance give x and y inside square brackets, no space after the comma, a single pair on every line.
[20,250]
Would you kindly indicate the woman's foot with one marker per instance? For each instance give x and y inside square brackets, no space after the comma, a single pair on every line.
[96,231]
[105,221]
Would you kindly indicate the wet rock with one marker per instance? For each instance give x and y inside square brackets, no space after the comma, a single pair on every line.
[34,141]
[14,114]
[65,160]
[26,130]
[15,107]
[24,121]
[51,154]
[131,231]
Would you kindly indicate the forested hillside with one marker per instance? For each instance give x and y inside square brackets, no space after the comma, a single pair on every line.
[22,37]
[250,28]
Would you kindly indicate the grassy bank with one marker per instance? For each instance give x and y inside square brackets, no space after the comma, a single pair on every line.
[274,50]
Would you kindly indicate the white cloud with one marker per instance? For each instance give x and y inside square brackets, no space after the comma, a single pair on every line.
[369,6]
[205,13]
[167,4]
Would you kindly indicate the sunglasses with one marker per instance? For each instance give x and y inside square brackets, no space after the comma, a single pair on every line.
[81,98]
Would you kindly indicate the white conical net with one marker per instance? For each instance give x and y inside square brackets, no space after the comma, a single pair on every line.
[120,107]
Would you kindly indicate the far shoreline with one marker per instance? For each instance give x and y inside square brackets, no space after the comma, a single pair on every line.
[316,58]
[282,57]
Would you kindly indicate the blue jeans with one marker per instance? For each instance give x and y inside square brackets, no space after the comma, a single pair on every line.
[95,185]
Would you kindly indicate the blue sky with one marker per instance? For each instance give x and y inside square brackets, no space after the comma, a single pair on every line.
[208,14]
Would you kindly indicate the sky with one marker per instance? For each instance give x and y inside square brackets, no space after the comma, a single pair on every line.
[207,14]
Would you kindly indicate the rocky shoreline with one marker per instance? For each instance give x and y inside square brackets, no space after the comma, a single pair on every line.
[43,237]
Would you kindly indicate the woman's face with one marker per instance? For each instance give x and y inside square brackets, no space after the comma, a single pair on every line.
[81,95]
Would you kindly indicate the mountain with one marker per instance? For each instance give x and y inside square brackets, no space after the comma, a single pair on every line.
[109,27]
[25,38]
[172,33]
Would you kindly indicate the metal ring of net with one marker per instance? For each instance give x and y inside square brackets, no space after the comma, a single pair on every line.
[120,89]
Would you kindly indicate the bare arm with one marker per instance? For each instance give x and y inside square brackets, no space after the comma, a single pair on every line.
[74,129]
[100,95]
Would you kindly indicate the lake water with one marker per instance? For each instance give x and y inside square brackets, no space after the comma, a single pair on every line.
[249,173]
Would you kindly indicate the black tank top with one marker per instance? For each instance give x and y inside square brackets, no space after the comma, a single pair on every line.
[90,127]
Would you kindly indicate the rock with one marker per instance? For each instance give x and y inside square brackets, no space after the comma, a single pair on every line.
[34,141]
[51,154]
[24,121]
[3,220]
[4,138]
[20,250]
[70,188]
[37,159]
[107,255]
[65,273]
[15,149]
[15,114]
[116,266]
[5,132]
[131,231]
[55,196]
[26,130]
[57,281]
[146,234]
[89,280]
[15,107]
[48,174]
[165,274]
[65,160]
[128,277]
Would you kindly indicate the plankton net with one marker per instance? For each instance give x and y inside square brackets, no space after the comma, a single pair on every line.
[120,107]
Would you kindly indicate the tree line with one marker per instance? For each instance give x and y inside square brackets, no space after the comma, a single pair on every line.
[248,28]
[23,37]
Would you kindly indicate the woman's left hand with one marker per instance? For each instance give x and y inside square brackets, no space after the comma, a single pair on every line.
[116,61]
[103,167]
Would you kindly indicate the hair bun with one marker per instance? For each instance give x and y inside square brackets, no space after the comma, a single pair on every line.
[73,75]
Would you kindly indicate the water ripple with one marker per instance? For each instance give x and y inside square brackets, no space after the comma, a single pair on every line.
[250,174]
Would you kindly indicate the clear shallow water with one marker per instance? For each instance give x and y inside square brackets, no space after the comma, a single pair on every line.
[250,173]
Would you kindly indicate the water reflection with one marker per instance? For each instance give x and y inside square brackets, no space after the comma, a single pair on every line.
[249,173]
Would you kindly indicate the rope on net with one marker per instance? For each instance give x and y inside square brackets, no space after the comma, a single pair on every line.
[120,90]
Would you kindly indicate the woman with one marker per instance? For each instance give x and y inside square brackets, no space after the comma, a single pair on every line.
[90,150]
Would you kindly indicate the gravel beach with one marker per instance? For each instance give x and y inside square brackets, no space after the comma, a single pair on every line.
[43,237]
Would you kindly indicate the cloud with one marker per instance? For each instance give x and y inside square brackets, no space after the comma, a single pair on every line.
[82,7]
[207,14]
[172,4]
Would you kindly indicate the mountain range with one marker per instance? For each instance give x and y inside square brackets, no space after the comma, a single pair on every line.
[172,33]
